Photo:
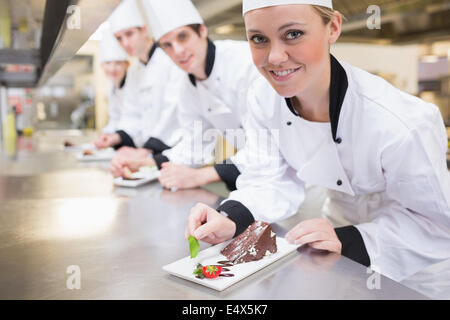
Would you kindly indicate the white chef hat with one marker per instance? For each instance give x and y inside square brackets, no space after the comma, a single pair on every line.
[126,15]
[249,5]
[110,49]
[167,15]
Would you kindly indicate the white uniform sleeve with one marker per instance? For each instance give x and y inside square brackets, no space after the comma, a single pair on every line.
[413,230]
[198,142]
[131,116]
[114,111]
[268,189]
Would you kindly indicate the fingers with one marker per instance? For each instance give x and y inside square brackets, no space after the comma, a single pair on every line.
[196,218]
[100,142]
[311,237]
[306,227]
[116,168]
[208,230]
[165,165]
[168,183]
[327,245]
[318,233]
[168,179]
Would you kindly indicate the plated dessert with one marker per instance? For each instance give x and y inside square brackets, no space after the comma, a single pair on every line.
[222,265]
[68,144]
[88,152]
[255,243]
[128,175]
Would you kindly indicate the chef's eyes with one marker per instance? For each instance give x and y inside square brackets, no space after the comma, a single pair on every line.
[293,34]
[288,36]
[165,45]
[183,37]
[257,39]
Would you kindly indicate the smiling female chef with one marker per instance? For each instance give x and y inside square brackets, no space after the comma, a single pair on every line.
[213,96]
[380,152]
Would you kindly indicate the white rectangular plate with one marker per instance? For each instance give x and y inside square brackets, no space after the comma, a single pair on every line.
[183,268]
[146,175]
[99,155]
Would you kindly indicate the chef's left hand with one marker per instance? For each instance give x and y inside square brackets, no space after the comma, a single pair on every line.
[178,176]
[317,233]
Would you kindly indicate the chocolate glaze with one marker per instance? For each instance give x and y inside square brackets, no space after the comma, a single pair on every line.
[226,275]
[251,245]
[225,263]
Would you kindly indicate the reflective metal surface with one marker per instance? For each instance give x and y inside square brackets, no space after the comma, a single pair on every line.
[120,239]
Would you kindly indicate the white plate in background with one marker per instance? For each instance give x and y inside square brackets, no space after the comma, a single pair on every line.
[99,155]
[145,175]
[80,147]
[184,268]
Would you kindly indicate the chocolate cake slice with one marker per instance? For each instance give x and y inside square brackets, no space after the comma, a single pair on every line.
[256,242]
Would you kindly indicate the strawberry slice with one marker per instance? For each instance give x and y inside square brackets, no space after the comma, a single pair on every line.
[211,272]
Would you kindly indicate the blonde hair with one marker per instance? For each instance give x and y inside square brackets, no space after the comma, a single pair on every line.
[326,13]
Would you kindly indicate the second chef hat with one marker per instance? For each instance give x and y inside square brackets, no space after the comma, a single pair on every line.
[110,49]
[127,15]
[249,5]
[165,16]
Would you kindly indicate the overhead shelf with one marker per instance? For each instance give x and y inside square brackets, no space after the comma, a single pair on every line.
[67,25]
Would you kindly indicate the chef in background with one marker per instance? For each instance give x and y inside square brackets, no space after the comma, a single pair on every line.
[114,61]
[148,124]
[380,152]
[213,95]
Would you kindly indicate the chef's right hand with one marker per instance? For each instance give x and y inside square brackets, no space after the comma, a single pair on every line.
[118,164]
[107,140]
[100,141]
[208,225]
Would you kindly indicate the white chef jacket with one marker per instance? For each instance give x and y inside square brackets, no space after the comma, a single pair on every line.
[216,105]
[115,105]
[150,100]
[382,158]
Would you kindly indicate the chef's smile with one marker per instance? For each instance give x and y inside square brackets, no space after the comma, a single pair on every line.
[186,62]
[282,75]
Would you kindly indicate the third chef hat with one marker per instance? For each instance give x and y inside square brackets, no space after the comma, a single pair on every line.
[249,5]
[126,15]
[166,15]
[110,49]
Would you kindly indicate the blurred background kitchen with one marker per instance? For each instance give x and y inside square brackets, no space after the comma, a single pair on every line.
[51,79]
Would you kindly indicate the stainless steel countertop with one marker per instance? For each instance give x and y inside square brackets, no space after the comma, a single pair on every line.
[70,214]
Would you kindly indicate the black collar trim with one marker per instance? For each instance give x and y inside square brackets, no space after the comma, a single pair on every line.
[122,83]
[338,89]
[150,53]
[210,59]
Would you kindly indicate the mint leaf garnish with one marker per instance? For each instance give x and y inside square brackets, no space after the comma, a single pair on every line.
[194,246]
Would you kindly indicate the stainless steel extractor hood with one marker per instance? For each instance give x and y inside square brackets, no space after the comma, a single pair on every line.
[60,28]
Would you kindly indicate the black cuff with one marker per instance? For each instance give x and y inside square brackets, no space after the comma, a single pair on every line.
[155,145]
[125,140]
[228,173]
[160,159]
[353,245]
[239,214]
